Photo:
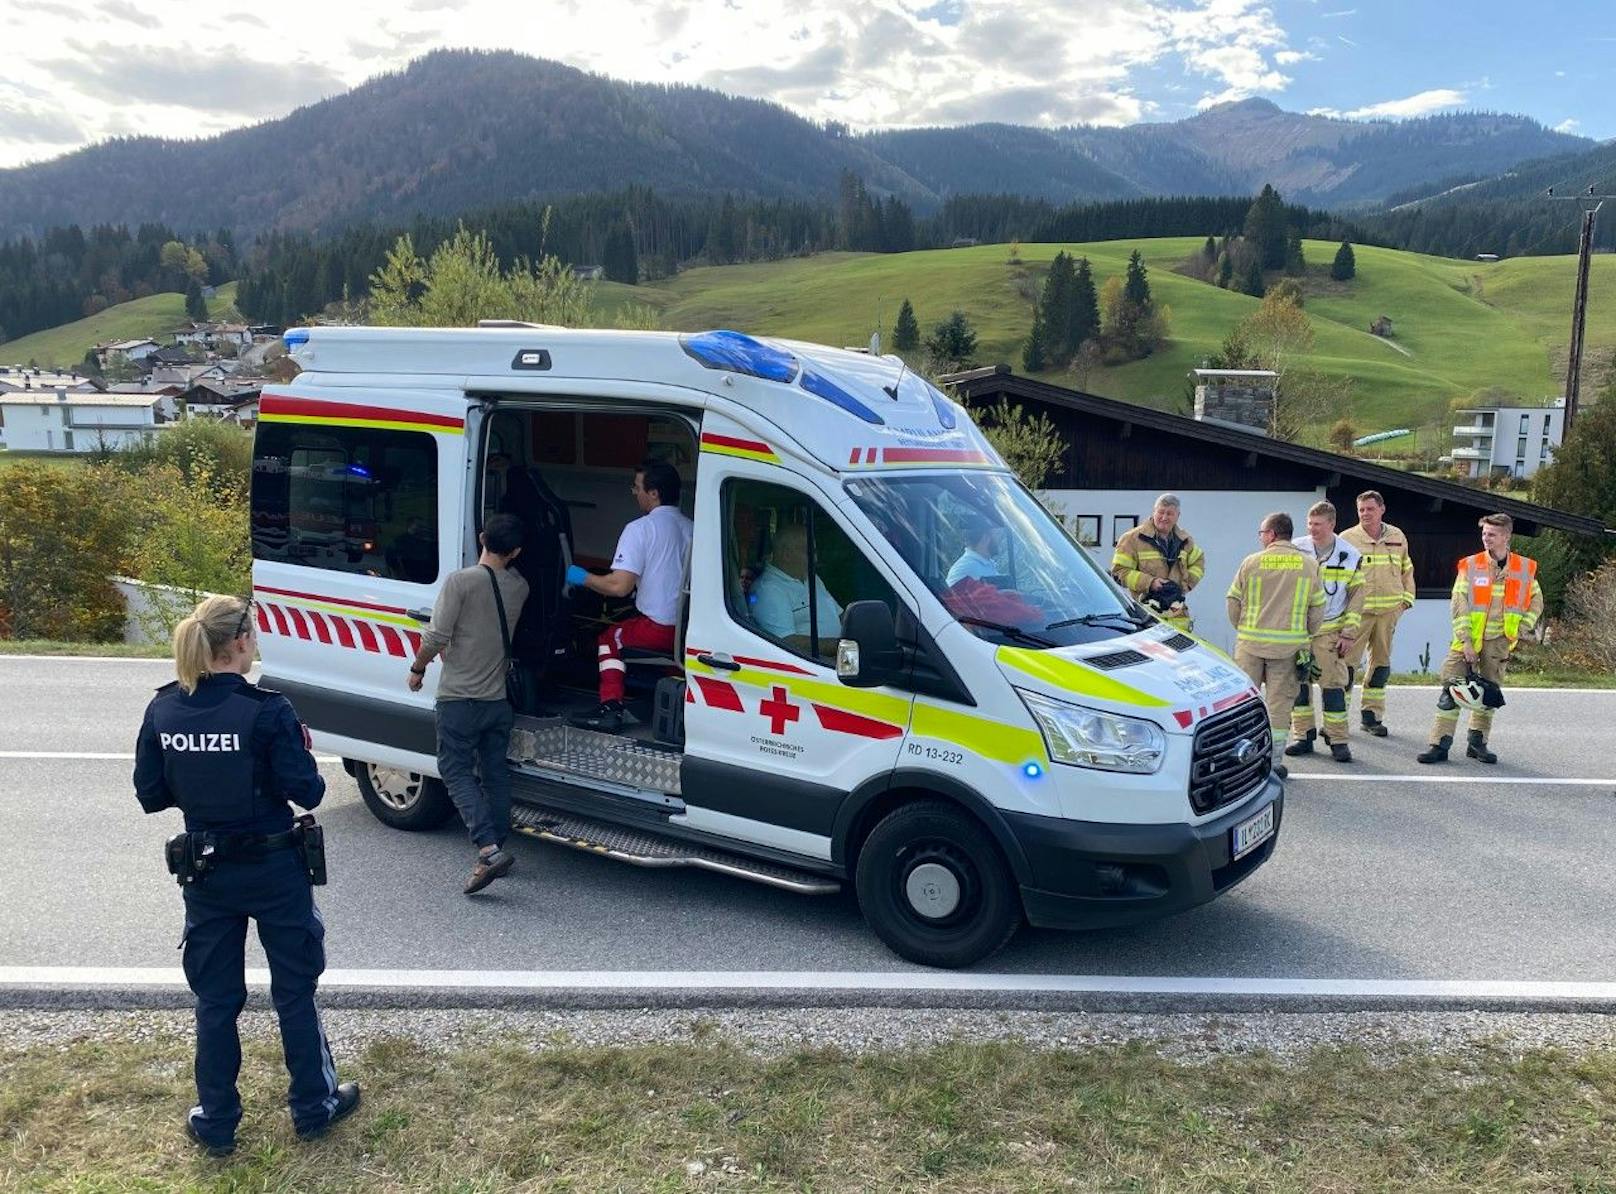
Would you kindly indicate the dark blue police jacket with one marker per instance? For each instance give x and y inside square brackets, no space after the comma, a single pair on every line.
[229,756]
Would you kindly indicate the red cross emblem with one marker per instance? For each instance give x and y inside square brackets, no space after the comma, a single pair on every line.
[779,710]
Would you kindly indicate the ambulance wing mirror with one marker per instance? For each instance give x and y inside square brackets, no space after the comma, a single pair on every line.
[867,655]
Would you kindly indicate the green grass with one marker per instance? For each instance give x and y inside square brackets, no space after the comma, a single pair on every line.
[64,347]
[960,1117]
[43,646]
[48,459]
[1463,326]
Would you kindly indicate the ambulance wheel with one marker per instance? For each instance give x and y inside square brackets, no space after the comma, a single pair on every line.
[403,799]
[934,888]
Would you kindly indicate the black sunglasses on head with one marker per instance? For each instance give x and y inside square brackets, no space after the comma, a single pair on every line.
[246,616]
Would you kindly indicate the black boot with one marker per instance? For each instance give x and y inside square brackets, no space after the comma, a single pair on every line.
[1437,752]
[1478,748]
[1340,753]
[1373,725]
[608,717]
[1302,746]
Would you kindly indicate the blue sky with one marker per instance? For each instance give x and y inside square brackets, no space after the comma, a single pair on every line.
[92,69]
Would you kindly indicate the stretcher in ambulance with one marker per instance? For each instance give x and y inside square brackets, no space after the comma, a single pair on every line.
[893,668]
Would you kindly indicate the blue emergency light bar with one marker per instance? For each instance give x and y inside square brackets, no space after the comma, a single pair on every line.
[736,352]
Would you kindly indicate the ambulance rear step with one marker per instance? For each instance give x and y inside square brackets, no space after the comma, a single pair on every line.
[641,848]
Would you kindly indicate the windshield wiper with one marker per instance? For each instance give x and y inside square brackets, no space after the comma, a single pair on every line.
[1098,619]
[1014,632]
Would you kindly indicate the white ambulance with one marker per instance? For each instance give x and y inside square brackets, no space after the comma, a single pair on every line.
[893,669]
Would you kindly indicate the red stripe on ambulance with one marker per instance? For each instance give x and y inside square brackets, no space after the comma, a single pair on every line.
[843,722]
[719,694]
[279,404]
[395,645]
[729,441]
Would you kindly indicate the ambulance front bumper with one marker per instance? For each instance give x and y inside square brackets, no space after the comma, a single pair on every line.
[1085,875]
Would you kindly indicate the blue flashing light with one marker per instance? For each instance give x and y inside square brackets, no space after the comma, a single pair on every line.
[358,470]
[825,388]
[736,352]
[295,337]
[945,411]
[1032,770]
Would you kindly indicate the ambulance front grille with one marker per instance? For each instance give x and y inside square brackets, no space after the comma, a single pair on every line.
[576,753]
[1233,755]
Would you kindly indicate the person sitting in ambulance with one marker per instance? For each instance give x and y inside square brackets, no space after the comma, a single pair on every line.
[779,596]
[983,541]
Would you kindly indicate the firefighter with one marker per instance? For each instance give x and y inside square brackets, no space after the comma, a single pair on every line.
[1159,563]
[1276,605]
[1341,578]
[1388,581]
[1496,599]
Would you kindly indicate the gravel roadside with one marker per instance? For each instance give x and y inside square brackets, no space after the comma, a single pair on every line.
[773,1032]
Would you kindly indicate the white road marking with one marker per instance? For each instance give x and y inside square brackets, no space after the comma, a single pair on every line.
[840,980]
[116,756]
[1546,780]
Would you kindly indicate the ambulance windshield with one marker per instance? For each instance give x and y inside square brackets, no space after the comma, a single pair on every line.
[996,559]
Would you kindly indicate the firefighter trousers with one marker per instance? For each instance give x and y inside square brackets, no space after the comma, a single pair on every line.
[1491,665]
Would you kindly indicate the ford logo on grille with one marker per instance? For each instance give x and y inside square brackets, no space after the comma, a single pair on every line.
[1245,750]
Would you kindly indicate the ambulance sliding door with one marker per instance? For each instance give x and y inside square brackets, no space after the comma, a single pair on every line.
[773,741]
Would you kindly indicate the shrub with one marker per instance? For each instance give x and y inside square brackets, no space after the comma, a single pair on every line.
[1029,443]
[1585,636]
[64,534]
[191,537]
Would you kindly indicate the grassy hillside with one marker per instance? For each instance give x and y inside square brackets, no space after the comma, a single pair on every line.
[152,316]
[1460,326]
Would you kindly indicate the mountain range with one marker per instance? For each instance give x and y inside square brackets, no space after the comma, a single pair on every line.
[458,130]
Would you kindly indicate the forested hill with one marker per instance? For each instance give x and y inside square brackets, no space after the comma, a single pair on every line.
[458,130]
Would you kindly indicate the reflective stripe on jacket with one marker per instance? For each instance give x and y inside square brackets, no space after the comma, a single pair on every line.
[1492,600]
[1276,600]
[1138,559]
[1388,573]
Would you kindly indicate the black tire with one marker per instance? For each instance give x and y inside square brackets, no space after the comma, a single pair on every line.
[985,909]
[403,799]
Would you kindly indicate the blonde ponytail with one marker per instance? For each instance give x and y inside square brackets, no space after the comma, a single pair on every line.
[201,635]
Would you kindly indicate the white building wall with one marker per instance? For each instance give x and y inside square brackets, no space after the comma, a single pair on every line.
[61,427]
[1225,525]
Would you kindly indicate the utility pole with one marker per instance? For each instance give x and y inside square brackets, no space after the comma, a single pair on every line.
[1579,305]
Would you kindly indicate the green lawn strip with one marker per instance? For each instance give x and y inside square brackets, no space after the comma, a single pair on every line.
[42,646]
[964,1117]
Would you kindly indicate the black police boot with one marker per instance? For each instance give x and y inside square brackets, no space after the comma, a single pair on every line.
[1373,725]
[1437,752]
[347,1102]
[608,717]
[1302,746]
[1478,748]
[1340,753]
[207,1146]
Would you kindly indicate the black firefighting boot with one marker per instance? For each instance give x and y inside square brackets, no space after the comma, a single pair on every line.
[1302,746]
[1478,748]
[1340,753]
[1437,752]
[1373,725]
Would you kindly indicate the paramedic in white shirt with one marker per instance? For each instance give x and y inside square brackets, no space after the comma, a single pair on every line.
[976,561]
[653,563]
[779,596]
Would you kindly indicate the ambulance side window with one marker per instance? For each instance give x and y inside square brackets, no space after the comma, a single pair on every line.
[790,571]
[348,499]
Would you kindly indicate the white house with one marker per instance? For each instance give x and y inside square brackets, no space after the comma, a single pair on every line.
[213,335]
[1120,456]
[130,350]
[1514,441]
[64,421]
[20,379]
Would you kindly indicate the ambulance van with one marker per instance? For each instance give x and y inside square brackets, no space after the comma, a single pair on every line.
[894,668]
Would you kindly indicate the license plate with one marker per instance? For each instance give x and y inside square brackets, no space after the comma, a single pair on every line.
[1248,835]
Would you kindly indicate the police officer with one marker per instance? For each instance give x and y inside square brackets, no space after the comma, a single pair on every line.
[230,755]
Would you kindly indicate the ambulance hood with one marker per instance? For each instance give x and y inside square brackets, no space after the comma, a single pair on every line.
[1141,675]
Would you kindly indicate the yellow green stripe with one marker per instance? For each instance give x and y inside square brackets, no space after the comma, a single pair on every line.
[990,739]
[1074,676]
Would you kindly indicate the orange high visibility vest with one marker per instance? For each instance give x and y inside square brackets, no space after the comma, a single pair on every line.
[1519,573]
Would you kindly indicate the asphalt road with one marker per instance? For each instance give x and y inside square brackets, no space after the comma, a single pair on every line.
[1490,874]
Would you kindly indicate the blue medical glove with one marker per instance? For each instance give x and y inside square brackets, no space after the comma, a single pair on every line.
[576,575]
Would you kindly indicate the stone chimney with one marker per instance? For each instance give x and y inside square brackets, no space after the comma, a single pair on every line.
[1242,398]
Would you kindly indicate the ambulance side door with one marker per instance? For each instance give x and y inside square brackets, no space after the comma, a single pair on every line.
[357,516]
[774,742]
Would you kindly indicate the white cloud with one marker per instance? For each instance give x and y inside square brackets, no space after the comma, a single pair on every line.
[1344,12]
[1569,125]
[166,68]
[1422,104]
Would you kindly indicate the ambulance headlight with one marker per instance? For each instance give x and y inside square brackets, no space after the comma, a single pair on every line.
[1082,737]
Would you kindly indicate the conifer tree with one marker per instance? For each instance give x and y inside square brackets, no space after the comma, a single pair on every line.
[1252,282]
[1034,359]
[1225,270]
[196,307]
[1345,265]
[1265,228]
[1136,286]
[1295,262]
[1055,310]
[1085,323]
[906,332]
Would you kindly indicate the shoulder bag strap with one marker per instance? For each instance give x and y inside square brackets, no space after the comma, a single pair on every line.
[499,604]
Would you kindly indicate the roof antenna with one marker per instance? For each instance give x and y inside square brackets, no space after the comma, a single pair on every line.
[892,390]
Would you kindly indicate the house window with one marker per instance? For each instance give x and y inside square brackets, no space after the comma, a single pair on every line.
[1121,524]
[1086,529]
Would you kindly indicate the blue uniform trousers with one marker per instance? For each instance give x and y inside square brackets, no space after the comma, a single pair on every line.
[273,890]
